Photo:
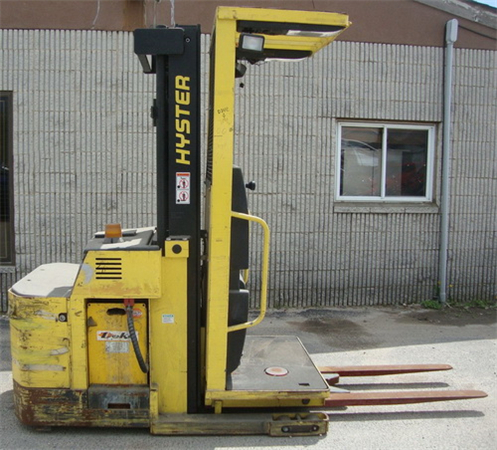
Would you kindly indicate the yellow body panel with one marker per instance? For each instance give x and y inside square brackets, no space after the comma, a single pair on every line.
[282,15]
[120,274]
[41,350]
[219,208]
[264,399]
[111,359]
[76,318]
[109,274]
[304,42]
[168,332]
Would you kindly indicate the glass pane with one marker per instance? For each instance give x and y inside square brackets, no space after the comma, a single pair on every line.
[361,162]
[407,152]
[5,244]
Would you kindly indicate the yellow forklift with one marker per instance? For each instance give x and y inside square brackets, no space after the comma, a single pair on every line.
[150,329]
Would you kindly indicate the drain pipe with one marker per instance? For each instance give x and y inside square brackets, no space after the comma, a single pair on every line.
[450,38]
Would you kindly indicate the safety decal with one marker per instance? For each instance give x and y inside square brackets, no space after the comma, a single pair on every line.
[183,188]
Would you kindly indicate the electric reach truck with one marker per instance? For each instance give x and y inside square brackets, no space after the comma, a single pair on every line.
[149,330]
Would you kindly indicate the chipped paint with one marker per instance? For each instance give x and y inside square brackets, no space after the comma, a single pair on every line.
[40,342]
[87,271]
[39,367]
[59,351]
[46,315]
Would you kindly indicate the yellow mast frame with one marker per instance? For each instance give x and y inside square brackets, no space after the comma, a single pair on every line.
[225,38]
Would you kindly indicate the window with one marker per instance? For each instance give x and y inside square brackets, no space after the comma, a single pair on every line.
[388,163]
[6,216]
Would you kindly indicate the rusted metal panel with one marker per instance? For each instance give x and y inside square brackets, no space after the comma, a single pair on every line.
[56,407]
[118,397]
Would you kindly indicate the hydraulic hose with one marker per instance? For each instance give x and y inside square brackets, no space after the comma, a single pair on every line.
[134,339]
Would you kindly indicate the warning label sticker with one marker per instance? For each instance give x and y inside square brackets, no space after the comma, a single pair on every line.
[167,318]
[183,188]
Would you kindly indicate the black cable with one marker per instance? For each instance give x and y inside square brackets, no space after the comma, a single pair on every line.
[134,340]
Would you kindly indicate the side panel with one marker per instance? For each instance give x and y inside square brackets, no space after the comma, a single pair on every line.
[40,342]
[168,332]
[111,358]
[108,275]
[119,274]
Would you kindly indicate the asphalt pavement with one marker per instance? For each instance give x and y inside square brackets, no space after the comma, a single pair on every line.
[465,339]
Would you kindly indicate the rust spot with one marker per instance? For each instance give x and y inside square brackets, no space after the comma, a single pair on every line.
[66,407]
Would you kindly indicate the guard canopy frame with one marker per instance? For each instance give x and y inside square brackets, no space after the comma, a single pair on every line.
[287,35]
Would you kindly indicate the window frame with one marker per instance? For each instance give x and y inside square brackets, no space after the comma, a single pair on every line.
[430,157]
[7,97]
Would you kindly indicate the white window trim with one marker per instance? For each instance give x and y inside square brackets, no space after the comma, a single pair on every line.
[387,199]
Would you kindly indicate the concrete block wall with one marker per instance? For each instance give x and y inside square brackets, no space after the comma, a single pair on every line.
[84,156]
[473,253]
[328,253]
[84,152]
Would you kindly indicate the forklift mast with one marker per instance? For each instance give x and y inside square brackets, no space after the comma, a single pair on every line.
[175,60]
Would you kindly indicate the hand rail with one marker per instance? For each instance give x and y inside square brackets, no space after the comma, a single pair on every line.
[265,270]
